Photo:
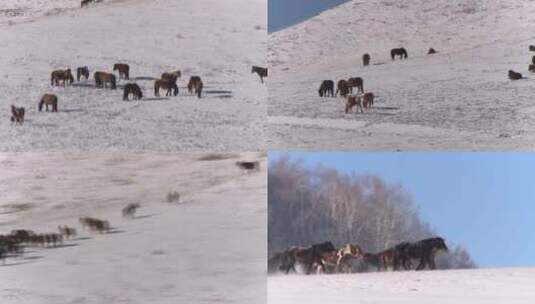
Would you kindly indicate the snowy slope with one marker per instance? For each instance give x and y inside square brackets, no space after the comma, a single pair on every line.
[459,98]
[217,40]
[208,248]
[479,286]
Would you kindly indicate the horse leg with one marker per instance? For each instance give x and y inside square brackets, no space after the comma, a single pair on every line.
[431,262]
[422,263]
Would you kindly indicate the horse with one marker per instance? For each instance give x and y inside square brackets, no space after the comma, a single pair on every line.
[326,88]
[17,114]
[262,72]
[431,51]
[343,88]
[425,251]
[355,82]
[94,224]
[532,48]
[134,89]
[102,78]
[82,71]
[367,100]
[401,52]
[366,59]
[130,210]
[195,85]
[514,75]
[171,75]
[86,2]
[248,165]
[61,75]
[124,70]
[49,99]
[167,85]
[353,100]
[309,257]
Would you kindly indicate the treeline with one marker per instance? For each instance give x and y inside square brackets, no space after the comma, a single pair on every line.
[307,206]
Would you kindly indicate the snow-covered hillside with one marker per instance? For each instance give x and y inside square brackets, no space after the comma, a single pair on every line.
[458,98]
[209,247]
[217,40]
[478,286]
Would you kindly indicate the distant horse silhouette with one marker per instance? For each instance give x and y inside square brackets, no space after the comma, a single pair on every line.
[195,85]
[103,78]
[262,72]
[342,88]
[86,2]
[130,210]
[326,88]
[352,101]
[17,114]
[355,82]
[431,51]
[49,99]
[366,59]
[514,75]
[124,70]
[168,85]
[61,75]
[401,52]
[134,89]
[82,71]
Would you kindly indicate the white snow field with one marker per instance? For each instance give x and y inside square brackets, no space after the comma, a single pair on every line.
[478,286]
[209,247]
[217,40]
[460,98]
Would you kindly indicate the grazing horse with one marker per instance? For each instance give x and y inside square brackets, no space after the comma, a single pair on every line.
[367,100]
[172,76]
[49,99]
[431,51]
[366,59]
[102,78]
[425,251]
[82,71]
[353,100]
[262,72]
[195,85]
[168,85]
[355,82]
[343,88]
[124,70]
[326,88]
[130,210]
[61,75]
[401,52]
[514,75]
[134,89]
[17,114]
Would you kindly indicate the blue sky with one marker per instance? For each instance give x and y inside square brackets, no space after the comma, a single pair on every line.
[283,13]
[483,201]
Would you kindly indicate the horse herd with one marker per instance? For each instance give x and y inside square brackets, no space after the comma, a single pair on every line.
[14,243]
[325,258]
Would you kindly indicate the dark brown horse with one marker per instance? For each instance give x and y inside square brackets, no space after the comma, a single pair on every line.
[168,85]
[425,251]
[195,85]
[61,75]
[124,70]
[82,72]
[326,88]
[134,89]
[401,52]
[355,82]
[172,76]
[103,78]
[342,88]
[514,75]
[352,101]
[366,59]
[17,114]
[86,2]
[431,51]
[367,100]
[49,99]
[262,72]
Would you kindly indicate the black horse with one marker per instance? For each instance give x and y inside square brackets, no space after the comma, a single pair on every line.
[401,52]
[514,75]
[309,257]
[326,88]
[134,89]
[425,251]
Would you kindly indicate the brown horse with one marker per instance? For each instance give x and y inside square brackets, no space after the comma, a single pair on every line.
[343,88]
[134,89]
[130,210]
[401,52]
[367,100]
[195,85]
[352,101]
[172,76]
[61,75]
[168,85]
[103,78]
[82,71]
[355,82]
[366,59]
[326,88]
[262,72]
[124,70]
[17,114]
[431,51]
[49,99]
[514,75]
[94,224]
